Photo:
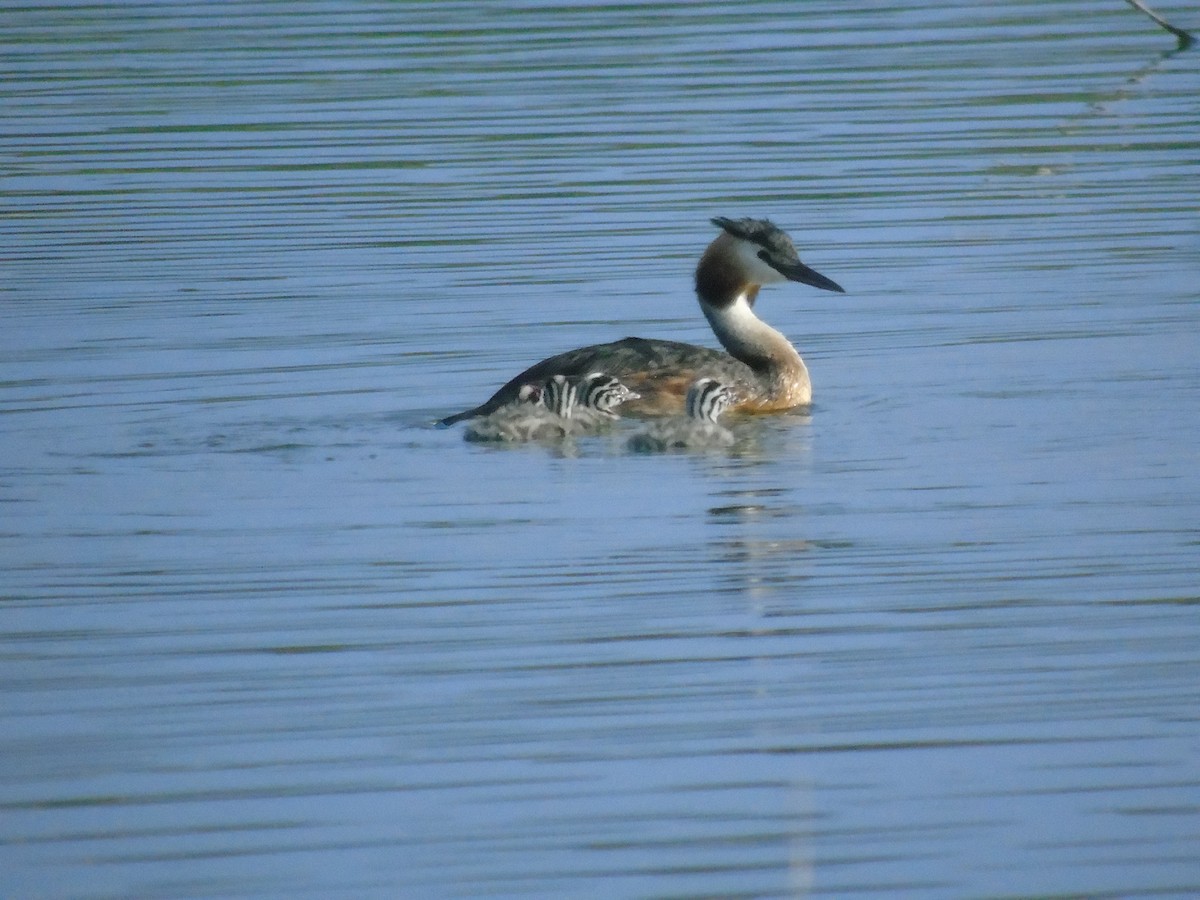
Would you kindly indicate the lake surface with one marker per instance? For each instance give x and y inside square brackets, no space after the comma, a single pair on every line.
[268,632]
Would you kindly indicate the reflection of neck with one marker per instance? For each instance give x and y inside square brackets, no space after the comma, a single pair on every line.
[747,337]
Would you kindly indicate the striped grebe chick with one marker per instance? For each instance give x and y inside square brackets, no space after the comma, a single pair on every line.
[760,365]
[707,398]
[540,413]
[599,395]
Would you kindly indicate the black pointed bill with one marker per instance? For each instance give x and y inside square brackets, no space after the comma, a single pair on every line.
[798,271]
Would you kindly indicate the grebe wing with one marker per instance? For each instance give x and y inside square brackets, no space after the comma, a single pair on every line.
[661,371]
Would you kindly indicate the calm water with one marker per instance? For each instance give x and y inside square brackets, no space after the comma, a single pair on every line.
[268,633]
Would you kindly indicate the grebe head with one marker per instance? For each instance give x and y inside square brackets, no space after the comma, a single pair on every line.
[530,393]
[603,393]
[707,398]
[753,252]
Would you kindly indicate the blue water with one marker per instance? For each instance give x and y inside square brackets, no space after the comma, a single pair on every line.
[267,632]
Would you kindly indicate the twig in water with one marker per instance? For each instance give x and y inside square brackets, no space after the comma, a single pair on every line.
[1185,39]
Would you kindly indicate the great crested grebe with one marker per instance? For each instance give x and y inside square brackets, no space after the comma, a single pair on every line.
[706,399]
[761,366]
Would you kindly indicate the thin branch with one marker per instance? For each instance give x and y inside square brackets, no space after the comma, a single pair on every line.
[1185,39]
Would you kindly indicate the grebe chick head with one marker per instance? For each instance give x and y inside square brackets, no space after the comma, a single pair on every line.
[707,398]
[603,393]
[530,394]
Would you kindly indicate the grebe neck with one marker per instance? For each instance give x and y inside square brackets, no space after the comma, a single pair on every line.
[747,337]
[727,282]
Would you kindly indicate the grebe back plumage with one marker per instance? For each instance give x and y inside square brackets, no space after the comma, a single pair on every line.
[763,369]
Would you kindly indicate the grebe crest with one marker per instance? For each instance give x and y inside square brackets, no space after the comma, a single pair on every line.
[759,363]
[706,400]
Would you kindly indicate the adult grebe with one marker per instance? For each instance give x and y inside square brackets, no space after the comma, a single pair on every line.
[706,400]
[761,366]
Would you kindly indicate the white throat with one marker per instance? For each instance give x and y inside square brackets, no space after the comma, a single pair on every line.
[746,336]
[753,268]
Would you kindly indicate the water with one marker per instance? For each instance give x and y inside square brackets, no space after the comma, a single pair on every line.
[268,633]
